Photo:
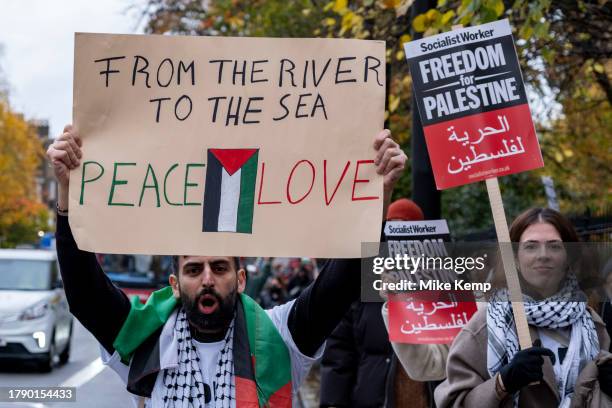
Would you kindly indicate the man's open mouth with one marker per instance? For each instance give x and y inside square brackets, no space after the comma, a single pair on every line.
[208,304]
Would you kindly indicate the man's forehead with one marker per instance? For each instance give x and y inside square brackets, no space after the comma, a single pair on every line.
[186,259]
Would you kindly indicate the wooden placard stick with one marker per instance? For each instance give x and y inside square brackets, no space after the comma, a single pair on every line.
[503,237]
[512,280]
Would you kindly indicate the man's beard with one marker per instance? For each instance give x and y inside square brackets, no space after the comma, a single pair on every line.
[215,321]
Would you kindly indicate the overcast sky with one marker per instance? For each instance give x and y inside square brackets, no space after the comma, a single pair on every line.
[37,40]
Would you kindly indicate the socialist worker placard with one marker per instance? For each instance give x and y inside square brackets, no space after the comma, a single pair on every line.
[473,104]
[425,316]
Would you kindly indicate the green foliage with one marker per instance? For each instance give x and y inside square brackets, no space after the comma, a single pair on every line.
[30,218]
[271,18]
[21,214]
[577,150]
[564,47]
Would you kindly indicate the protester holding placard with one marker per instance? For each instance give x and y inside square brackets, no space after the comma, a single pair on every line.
[359,368]
[568,365]
[202,342]
[422,362]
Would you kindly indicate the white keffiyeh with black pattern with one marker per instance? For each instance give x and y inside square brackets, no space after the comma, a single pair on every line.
[184,386]
[567,308]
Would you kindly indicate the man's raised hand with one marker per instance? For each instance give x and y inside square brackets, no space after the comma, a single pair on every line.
[65,154]
[390,160]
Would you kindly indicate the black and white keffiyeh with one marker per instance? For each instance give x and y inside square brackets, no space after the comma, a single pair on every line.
[565,309]
[184,385]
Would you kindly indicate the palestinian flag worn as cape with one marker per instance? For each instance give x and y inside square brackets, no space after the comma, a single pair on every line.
[262,365]
[229,192]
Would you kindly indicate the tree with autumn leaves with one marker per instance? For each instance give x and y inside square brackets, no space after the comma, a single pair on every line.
[564,48]
[22,215]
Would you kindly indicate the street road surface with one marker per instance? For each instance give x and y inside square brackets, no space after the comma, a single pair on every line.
[97,385]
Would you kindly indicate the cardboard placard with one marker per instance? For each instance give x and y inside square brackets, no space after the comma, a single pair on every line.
[227,146]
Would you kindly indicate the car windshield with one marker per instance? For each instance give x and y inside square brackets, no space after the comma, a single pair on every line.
[22,274]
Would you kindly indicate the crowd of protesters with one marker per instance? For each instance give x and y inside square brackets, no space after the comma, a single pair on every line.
[569,315]
[566,299]
[274,281]
[569,364]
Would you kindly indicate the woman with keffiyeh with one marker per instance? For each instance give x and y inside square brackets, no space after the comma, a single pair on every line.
[568,365]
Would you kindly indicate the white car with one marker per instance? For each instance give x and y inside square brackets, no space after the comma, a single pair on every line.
[35,322]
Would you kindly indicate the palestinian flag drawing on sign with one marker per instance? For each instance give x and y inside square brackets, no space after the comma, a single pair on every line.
[229,193]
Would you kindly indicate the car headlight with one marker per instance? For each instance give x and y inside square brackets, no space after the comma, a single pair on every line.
[35,312]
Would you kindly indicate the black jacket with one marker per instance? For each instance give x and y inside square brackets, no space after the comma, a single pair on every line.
[358,367]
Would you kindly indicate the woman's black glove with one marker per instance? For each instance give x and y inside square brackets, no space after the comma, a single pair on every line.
[605,378]
[525,367]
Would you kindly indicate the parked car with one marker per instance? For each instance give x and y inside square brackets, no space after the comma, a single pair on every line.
[35,322]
